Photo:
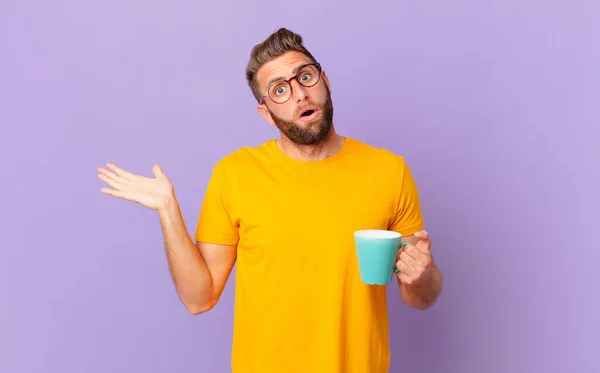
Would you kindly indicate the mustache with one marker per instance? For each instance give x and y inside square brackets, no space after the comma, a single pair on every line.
[300,109]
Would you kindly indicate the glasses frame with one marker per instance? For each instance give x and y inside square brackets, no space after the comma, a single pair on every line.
[289,82]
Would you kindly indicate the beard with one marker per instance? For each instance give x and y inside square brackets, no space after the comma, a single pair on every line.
[308,133]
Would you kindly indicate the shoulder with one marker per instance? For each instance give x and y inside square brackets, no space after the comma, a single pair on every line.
[377,156]
[244,158]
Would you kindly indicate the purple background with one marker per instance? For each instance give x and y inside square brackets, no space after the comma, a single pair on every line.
[494,104]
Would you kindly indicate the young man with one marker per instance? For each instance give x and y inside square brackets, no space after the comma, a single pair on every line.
[286,211]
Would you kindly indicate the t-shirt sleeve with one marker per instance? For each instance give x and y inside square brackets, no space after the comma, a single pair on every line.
[408,218]
[215,224]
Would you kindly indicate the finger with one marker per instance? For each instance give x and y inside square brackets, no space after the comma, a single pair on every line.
[402,267]
[112,175]
[424,246]
[116,193]
[113,183]
[400,251]
[408,260]
[405,279]
[422,235]
[411,251]
[121,172]
[424,243]
[157,170]
[420,255]
[424,239]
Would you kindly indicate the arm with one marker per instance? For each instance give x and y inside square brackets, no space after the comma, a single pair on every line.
[419,279]
[199,271]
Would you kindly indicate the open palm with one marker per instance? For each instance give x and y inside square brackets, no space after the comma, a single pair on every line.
[148,192]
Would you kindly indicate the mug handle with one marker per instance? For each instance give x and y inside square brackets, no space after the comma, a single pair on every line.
[402,244]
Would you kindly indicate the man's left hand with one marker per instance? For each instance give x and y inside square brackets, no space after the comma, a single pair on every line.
[415,264]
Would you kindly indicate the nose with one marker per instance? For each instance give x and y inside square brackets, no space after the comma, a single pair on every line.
[299,92]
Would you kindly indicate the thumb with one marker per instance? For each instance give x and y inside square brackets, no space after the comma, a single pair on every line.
[157,171]
[422,235]
[424,242]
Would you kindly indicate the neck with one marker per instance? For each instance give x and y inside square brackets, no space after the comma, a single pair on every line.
[325,149]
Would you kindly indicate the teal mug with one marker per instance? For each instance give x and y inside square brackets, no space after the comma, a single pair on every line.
[377,252]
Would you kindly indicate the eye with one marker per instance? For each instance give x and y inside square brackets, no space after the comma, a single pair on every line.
[305,77]
[279,90]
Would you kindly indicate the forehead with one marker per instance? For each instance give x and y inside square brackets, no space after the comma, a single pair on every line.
[282,67]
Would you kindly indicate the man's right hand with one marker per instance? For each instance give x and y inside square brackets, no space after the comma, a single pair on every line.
[149,192]
[200,271]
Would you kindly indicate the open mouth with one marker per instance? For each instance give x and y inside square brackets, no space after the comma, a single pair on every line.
[308,114]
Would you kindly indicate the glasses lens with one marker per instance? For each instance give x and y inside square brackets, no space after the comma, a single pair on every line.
[280,92]
[308,75]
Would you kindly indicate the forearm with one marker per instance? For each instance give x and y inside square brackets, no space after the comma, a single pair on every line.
[423,295]
[188,269]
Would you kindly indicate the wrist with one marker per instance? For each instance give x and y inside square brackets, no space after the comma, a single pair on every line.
[168,205]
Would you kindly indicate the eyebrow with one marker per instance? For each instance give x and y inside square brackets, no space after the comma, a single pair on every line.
[294,72]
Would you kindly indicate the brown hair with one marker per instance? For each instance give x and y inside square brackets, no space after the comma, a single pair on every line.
[278,43]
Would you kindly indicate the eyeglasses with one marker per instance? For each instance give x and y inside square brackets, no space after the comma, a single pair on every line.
[280,91]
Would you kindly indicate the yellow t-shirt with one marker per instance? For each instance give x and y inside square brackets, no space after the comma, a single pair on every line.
[300,305]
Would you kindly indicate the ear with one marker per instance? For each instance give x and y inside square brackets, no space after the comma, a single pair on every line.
[262,109]
[326,79]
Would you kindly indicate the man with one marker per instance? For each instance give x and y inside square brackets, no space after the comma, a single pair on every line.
[286,211]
